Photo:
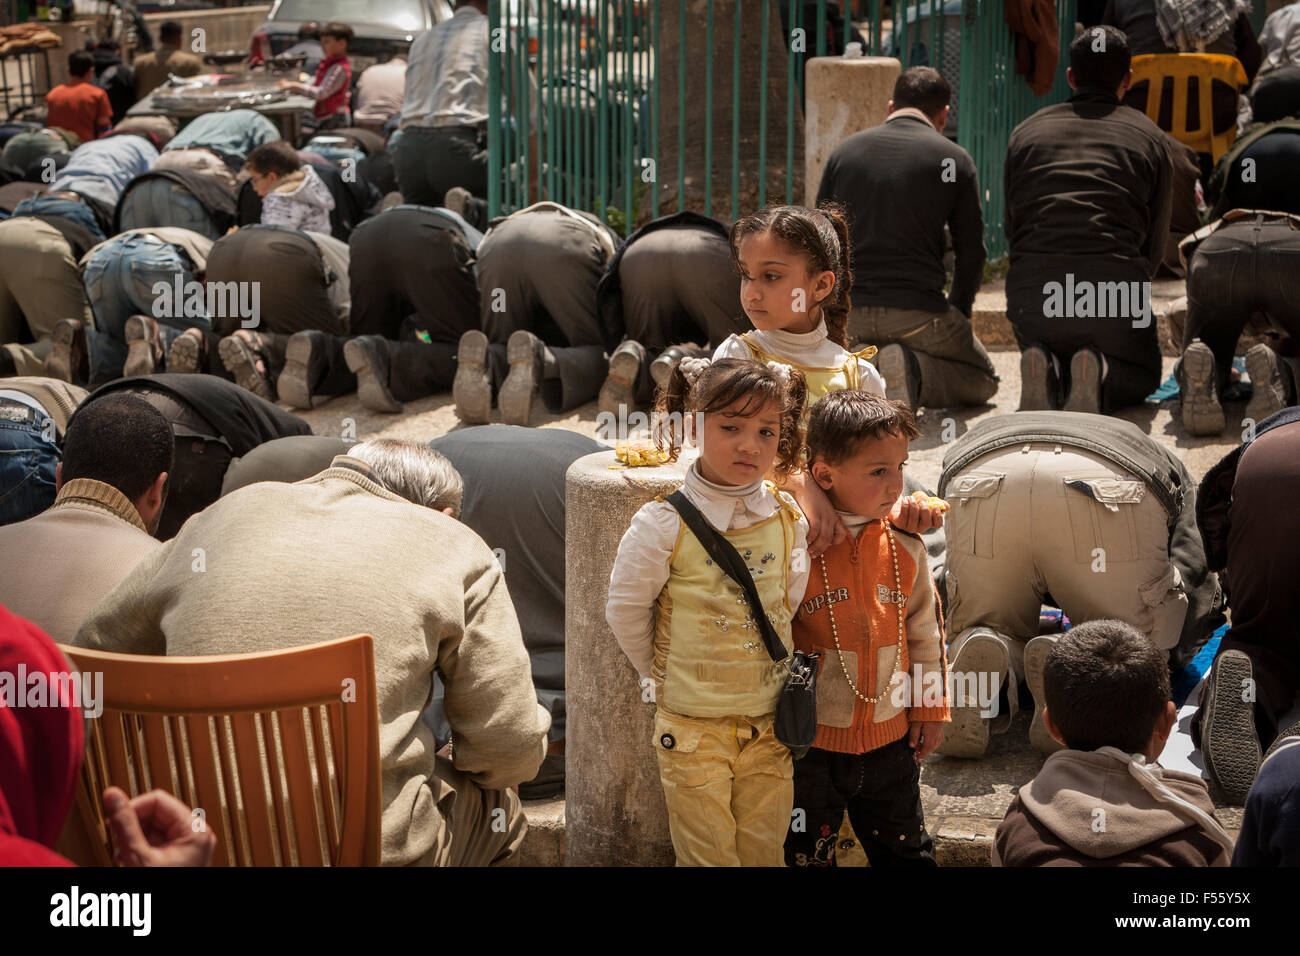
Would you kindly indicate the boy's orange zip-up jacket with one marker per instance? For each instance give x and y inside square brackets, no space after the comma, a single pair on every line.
[862,592]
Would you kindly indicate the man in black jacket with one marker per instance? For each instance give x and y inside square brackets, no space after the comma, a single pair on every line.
[1088,198]
[901,183]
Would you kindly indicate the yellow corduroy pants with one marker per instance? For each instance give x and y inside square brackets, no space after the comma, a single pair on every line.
[729,787]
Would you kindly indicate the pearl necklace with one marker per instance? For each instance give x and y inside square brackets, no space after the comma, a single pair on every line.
[830,608]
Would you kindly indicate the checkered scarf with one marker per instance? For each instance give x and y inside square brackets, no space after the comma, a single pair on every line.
[1192,25]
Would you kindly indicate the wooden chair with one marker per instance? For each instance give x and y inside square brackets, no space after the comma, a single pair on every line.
[1206,67]
[279,749]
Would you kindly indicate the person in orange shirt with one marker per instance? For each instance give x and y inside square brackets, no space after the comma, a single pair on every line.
[78,105]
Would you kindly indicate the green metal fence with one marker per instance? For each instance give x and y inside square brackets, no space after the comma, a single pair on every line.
[599,104]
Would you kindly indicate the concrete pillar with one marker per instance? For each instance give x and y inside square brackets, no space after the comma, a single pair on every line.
[843,97]
[614,804]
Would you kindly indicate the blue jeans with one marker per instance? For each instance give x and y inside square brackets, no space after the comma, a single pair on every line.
[27,462]
[119,278]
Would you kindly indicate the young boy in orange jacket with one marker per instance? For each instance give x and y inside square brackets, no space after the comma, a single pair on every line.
[871,612]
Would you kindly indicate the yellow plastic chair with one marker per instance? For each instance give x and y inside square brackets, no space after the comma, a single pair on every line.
[278,749]
[1206,67]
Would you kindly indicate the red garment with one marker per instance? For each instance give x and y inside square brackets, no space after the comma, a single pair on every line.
[1038,41]
[82,109]
[337,100]
[40,750]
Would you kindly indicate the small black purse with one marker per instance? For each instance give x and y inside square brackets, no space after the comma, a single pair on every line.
[796,709]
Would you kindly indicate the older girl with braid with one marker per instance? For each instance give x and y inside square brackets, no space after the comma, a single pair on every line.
[795,276]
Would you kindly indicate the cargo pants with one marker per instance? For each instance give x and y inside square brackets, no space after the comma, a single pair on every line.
[729,785]
[1043,520]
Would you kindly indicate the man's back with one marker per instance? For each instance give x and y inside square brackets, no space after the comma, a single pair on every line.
[56,566]
[152,69]
[900,184]
[447,74]
[278,565]
[1090,177]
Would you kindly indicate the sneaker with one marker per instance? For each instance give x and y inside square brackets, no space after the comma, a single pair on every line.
[1037,380]
[144,352]
[983,652]
[472,388]
[523,384]
[367,358]
[304,363]
[1036,652]
[242,355]
[1085,382]
[1202,413]
[68,361]
[662,367]
[1229,742]
[187,352]
[902,383]
[1269,392]
[618,394]
[457,200]
[1290,733]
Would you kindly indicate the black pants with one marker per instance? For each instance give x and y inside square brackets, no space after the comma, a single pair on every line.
[1132,354]
[293,287]
[881,791]
[409,261]
[679,285]
[431,160]
[538,272]
[1265,591]
[1241,268]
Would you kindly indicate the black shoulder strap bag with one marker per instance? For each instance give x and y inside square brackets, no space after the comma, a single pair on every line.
[796,709]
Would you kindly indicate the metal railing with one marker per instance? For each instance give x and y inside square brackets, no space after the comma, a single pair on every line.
[598,104]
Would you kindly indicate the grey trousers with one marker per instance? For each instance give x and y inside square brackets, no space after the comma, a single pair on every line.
[955,367]
[538,272]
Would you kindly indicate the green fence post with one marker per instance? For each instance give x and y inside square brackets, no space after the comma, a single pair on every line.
[494,117]
[762,114]
[681,111]
[735,114]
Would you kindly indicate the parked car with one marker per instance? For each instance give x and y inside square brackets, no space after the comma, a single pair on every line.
[382,28]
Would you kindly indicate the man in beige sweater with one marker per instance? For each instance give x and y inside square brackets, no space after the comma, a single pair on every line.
[111,488]
[281,565]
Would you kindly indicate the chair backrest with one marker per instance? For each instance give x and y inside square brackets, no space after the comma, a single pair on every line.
[277,752]
[1181,67]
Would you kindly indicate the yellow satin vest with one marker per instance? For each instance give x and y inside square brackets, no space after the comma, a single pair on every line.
[709,656]
[820,380]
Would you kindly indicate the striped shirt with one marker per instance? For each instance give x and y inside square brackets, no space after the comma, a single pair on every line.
[330,84]
[447,77]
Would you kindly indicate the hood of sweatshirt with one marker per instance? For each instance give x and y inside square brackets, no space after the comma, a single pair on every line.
[305,186]
[1098,803]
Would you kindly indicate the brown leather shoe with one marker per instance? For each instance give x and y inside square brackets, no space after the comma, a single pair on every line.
[144,351]
[244,358]
[188,352]
[68,361]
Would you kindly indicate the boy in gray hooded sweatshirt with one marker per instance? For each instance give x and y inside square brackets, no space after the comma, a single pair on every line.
[1104,801]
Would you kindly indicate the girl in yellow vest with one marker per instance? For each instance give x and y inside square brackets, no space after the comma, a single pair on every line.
[687,627]
[795,277]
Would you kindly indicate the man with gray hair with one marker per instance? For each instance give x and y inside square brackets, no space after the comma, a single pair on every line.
[340,553]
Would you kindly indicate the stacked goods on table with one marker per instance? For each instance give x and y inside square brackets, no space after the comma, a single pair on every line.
[22,37]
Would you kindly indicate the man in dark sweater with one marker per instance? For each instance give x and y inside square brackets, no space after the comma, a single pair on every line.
[901,183]
[1088,198]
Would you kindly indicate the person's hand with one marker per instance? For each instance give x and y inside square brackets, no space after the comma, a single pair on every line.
[156,829]
[287,85]
[924,737]
[825,527]
[916,514]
